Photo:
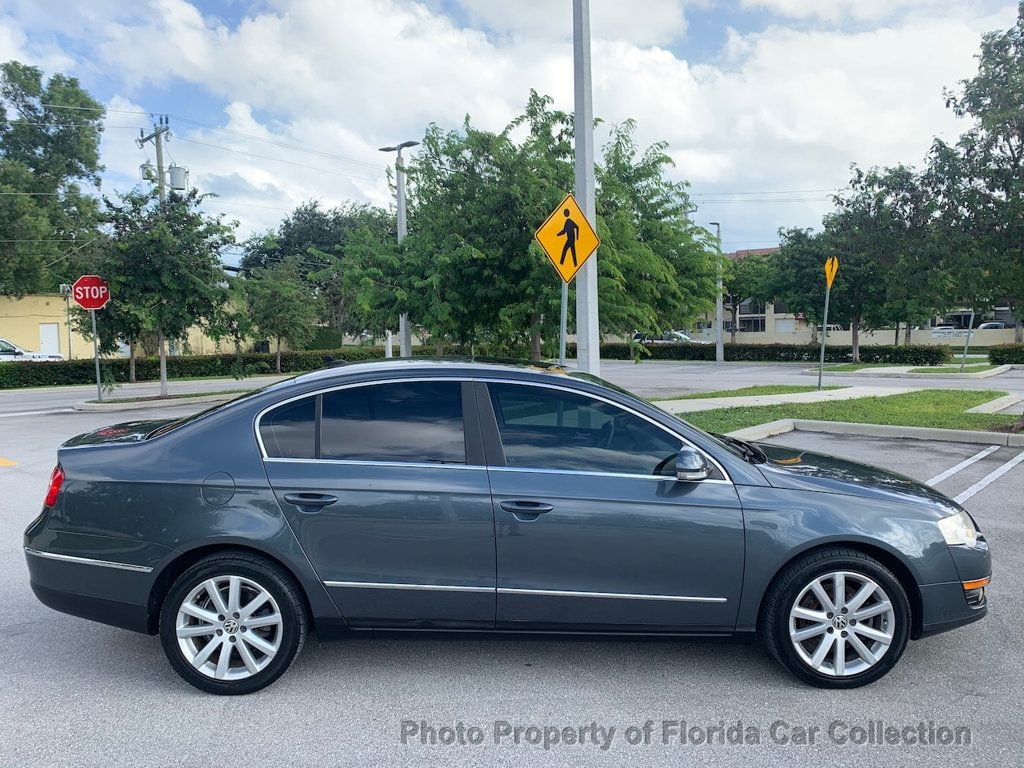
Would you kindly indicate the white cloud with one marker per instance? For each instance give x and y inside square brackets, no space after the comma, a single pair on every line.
[836,10]
[782,109]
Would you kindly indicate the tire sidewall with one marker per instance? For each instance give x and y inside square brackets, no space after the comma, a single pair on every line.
[266,577]
[901,632]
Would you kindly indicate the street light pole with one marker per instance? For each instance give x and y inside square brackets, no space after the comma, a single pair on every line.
[719,308]
[404,329]
[588,337]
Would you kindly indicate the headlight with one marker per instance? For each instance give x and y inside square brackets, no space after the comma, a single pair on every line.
[958,529]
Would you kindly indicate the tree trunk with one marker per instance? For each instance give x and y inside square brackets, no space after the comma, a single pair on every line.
[162,344]
[908,334]
[1018,331]
[131,362]
[896,341]
[439,347]
[278,367]
[855,338]
[735,321]
[535,338]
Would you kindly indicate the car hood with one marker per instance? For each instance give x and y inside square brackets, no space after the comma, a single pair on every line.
[125,432]
[803,470]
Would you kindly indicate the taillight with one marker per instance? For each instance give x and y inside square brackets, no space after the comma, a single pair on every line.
[56,481]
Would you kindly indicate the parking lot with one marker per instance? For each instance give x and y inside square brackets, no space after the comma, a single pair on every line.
[80,694]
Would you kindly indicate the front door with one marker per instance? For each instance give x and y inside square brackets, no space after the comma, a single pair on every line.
[386,491]
[49,338]
[593,529]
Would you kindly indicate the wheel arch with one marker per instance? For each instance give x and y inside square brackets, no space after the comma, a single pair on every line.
[886,557]
[185,560]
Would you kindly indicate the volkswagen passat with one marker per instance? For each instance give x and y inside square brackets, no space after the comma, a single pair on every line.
[468,496]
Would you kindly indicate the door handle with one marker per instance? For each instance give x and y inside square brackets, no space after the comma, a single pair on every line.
[311,502]
[528,509]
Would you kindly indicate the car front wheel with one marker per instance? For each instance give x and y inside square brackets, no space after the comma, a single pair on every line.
[837,618]
[232,623]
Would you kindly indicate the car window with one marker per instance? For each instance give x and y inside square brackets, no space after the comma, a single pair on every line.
[417,421]
[6,348]
[289,432]
[544,428]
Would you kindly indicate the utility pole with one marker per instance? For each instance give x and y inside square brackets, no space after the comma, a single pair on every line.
[719,308]
[588,334]
[404,329]
[157,137]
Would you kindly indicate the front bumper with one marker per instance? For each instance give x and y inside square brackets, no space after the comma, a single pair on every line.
[948,606]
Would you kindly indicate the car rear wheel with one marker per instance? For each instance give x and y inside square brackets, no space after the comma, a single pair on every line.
[837,618]
[232,623]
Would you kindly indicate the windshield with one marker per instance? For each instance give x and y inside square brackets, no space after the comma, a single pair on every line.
[6,346]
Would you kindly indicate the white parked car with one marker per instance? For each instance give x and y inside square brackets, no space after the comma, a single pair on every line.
[13,353]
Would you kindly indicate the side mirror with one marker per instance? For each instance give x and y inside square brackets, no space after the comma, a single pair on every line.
[691,466]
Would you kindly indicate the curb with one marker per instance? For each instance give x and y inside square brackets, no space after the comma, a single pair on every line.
[997,405]
[762,431]
[142,405]
[869,372]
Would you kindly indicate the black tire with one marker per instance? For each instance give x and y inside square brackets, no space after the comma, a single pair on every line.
[290,634]
[788,586]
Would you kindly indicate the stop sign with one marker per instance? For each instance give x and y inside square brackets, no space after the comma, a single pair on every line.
[90,292]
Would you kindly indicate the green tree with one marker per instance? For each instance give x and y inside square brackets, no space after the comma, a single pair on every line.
[980,180]
[747,279]
[280,305]
[164,266]
[49,147]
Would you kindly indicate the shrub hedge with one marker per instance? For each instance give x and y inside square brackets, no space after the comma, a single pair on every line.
[785,353]
[14,375]
[1007,354]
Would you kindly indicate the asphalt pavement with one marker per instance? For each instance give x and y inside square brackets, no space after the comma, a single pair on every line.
[77,694]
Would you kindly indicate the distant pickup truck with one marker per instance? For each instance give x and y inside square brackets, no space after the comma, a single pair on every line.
[669,337]
[13,353]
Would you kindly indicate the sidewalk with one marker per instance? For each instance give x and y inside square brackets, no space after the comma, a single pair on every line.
[711,403]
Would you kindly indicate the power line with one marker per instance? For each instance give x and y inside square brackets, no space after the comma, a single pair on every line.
[772,192]
[275,159]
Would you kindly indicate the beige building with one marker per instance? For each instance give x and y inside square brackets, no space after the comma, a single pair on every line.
[39,323]
[759,323]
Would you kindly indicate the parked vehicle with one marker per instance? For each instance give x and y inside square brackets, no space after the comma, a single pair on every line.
[669,337]
[13,353]
[462,496]
[993,326]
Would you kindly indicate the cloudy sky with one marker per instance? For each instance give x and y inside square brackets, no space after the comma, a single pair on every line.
[765,103]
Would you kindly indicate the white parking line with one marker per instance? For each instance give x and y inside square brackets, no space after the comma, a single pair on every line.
[962,465]
[990,478]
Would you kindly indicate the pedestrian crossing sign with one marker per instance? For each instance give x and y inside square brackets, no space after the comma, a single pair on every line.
[567,238]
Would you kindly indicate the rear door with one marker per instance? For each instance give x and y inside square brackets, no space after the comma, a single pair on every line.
[593,530]
[385,488]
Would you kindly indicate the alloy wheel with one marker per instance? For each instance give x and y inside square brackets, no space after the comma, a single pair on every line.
[842,623]
[229,627]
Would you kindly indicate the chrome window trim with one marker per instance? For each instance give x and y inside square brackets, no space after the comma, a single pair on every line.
[364,463]
[627,409]
[88,561]
[484,380]
[609,595]
[338,388]
[414,587]
[514,591]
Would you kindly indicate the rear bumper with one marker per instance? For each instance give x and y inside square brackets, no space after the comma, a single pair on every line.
[110,593]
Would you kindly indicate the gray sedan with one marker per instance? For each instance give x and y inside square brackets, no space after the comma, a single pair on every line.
[455,495]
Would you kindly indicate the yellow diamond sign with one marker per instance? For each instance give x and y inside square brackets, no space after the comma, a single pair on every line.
[567,238]
[831,267]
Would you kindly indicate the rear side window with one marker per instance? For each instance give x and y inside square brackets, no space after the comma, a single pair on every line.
[417,421]
[289,432]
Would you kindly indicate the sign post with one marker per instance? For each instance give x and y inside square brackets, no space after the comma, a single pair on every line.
[831,267]
[568,240]
[91,292]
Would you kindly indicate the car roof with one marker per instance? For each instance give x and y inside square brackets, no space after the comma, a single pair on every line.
[438,365]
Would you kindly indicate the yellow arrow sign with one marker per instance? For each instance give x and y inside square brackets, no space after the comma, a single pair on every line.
[567,238]
[831,267]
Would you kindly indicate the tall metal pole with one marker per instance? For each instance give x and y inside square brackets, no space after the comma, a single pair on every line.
[96,356]
[588,334]
[824,334]
[719,308]
[404,331]
[967,341]
[563,324]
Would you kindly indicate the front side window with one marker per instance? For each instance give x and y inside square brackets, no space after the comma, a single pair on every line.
[543,428]
[417,421]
